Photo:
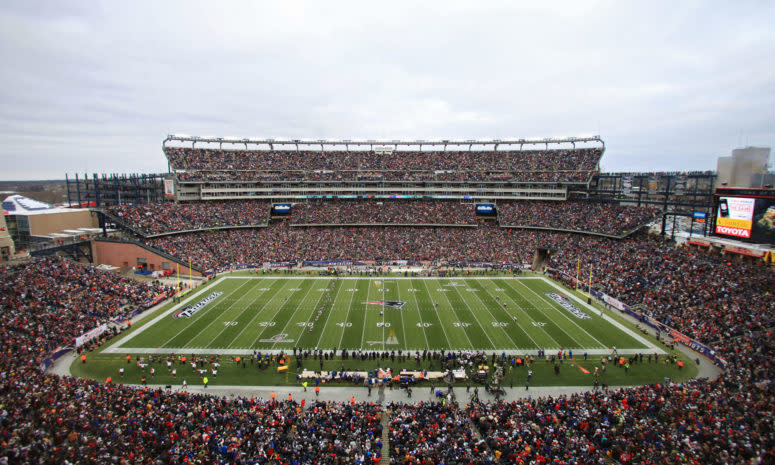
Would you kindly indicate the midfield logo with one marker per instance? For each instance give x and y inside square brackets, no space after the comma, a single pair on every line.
[397,304]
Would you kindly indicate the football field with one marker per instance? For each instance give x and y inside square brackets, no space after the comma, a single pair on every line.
[242,314]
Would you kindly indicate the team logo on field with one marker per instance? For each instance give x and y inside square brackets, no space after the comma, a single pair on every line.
[277,338]
[190,310]
[567,305]
[397,304]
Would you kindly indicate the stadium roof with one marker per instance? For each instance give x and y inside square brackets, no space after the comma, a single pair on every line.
[21,205]
[372,142]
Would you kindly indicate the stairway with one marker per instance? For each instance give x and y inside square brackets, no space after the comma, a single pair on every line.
[385,460]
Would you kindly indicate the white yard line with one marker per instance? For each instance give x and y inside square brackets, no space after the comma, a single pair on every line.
[279,308]
[189,350]
[312,313]
[609,319]
[297,309]
[206,313]
[453,311]
[493,316]
[545,312]
[383,313]
[118,347]
[387,277]
[194,296]
[403,324]
[247,307]
[484,330]
[518,309]
[419,313]
[346,318]
[563,313]
[365,314]
[258,313]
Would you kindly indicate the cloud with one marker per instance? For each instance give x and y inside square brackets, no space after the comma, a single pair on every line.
[97,85]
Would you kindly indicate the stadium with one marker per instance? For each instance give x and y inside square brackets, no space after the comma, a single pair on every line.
[404,233]
[505,300]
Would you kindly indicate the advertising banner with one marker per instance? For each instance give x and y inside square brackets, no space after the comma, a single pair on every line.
[734,216]
[627,185]
[89,335]
[617,304]
[169,187]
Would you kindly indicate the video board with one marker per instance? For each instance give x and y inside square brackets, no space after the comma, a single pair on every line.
[281,209]
[485,209]
[748,217]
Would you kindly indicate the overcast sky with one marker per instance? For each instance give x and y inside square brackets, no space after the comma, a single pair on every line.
[95,87]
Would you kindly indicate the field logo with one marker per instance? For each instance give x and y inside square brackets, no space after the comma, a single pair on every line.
[391,340]
[189,311]
[567,305]
[397,304]
[277,338]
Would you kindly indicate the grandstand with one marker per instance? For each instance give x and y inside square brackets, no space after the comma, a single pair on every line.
[397,193]
[488,169]
[463,216]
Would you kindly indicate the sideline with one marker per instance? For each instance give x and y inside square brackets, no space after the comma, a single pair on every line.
[706,369]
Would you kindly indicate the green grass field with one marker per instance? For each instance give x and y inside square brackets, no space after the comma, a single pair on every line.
[244,313]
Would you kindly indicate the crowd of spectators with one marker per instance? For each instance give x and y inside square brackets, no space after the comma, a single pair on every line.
[283,243]
[48,304]
[561,165]
[431,433]
[709,298]
[383,212]
[50,419]
[210,175]
[728,306]
[697,422]
[604,218]
[161,217]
